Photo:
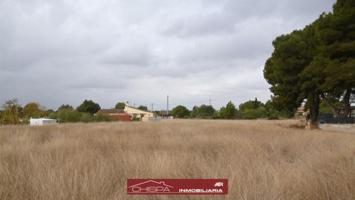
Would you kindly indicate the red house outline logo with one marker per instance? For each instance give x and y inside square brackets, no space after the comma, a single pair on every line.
[177,186]
[150,186]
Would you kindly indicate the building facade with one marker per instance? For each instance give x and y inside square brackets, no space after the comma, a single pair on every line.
[42,121]
[136,113]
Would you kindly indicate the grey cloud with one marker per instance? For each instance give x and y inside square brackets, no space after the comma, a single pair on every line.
[223,49]
[199,25]
[233,12]
[102,84]
[129,54]
[61,51]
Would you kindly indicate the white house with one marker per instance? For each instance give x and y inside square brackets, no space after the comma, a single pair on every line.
[42,121]
[139,114]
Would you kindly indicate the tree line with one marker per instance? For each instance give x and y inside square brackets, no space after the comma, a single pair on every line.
[13,113]
[316,65]
[252,109]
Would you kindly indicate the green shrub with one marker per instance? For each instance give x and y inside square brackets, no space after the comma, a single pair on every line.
[180,112]
[86,117]
[53,115]
[203,112]
[102,118]
[253,113]
[67,115]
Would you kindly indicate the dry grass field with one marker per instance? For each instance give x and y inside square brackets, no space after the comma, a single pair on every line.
[261,159]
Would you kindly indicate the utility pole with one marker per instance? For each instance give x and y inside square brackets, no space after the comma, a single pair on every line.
[152,109]
[167,105]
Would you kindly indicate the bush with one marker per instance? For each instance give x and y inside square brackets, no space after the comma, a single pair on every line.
[253,113]
[53,115]
[228,112]
[66,115]
[86,117]
[203,112]
[180,112]
[102,118]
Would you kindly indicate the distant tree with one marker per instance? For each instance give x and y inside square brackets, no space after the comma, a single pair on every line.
[228,112]
[120,105]
[11,113]
[254,114]
[65,115]
[180,112]
[249,105]
[145,108]
[89,106]
[50,111]
[32,109]
[53,115]
[252,109]
[203,111]
[65,107]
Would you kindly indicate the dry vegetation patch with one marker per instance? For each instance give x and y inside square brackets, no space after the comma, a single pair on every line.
[261,159]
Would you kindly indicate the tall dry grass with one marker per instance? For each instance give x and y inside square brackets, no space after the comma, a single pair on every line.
[261,159]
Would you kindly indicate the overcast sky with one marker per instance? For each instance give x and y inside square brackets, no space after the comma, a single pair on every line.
[64,51]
